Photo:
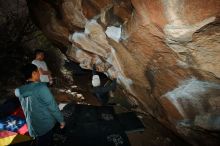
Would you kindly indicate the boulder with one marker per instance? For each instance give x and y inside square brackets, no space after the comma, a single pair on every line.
[164,53]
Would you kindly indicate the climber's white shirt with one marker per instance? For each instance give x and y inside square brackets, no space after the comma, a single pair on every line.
[96,81]
[43,66]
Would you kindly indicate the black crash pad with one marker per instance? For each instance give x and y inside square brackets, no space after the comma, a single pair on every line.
[88,125]
[130,122]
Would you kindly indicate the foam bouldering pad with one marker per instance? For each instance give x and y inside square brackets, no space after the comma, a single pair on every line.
[13,138]
[97,134]
[89,125]
[130,122]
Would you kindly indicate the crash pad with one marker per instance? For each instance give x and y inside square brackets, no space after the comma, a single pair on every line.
[89,125]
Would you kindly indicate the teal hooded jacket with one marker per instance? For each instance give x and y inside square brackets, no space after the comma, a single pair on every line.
[40,108]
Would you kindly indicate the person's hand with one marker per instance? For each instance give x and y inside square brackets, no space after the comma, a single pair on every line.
[50,79]
[62,125]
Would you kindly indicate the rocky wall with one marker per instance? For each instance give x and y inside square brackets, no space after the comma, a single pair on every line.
[165,53]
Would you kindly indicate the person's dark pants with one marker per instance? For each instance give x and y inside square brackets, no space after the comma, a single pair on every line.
[101,92]
[45,140]
[94,70]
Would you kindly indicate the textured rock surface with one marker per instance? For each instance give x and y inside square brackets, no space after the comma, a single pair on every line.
[164,53]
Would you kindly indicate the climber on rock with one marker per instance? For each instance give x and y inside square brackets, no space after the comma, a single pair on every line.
[102,92]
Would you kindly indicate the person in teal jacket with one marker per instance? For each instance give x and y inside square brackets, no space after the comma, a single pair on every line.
[40,108]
